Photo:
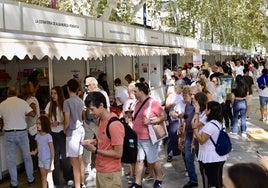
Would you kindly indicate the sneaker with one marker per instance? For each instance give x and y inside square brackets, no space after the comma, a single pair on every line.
[232,133]
[83,186]
[70,183]
[244,135]
[13,186]
[263,119]
[30,183]
[169,159]
[134,185]
[248,118]
[148,177]
[157,184]
[130,180]
[190,184]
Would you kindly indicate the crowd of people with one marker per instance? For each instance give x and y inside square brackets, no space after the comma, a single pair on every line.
[72,135]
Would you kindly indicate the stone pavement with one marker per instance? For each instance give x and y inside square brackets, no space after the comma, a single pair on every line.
[244,150]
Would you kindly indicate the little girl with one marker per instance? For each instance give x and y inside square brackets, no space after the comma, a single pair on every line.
[45,151]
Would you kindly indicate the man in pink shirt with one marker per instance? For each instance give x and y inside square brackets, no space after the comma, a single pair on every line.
[142,118]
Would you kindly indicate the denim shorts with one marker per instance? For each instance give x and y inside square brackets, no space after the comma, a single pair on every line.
[263,101]
[44,164]
[146,148]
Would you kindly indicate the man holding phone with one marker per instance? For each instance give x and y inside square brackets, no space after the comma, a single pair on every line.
[108,150]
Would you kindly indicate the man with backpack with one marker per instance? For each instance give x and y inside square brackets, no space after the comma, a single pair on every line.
[108,149]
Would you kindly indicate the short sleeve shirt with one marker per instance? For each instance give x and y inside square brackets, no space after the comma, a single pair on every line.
[75,106]
[13,111]
[31,121]
[138,124]
[43,146]
[207,152]
[59,117]
[106,164]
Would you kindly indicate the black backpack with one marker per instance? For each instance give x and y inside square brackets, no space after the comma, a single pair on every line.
[223,145]
[130,146]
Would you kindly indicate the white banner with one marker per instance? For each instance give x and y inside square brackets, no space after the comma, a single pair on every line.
[12,17]
[1,17]
[118,32]
[39,21]
[149,37]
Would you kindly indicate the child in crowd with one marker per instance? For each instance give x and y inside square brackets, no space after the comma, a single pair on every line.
[45,151]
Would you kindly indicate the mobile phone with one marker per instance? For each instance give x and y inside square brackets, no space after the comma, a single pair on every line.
[257,152]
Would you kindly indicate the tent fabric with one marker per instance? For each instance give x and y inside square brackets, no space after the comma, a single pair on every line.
[76,50]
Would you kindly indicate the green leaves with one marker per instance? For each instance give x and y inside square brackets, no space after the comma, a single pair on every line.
[230,22]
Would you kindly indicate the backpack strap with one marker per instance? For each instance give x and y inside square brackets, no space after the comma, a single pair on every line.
[210,136]
[112,119]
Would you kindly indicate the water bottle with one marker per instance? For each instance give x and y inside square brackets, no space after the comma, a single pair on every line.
[131,143]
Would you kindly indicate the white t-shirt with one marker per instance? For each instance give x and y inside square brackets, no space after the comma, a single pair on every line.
[207,152]
[31,121]
[176,98]
[59,117]
[105,95]
[129,104]
[167,73]
[194,73]
[122,93]
[13,111]
[239,70]
[179,108]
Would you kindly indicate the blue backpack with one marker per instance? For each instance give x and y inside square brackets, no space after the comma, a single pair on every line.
[223,145]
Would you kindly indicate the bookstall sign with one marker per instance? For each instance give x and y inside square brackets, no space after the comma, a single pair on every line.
[118,32]
[39,21]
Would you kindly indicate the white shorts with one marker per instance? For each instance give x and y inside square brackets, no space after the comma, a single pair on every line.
[73,146]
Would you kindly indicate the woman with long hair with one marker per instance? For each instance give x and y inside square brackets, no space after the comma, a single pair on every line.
[200,101]
[210,163]
[54,112]
[239,103]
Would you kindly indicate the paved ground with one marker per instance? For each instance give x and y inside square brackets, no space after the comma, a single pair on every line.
[243,151]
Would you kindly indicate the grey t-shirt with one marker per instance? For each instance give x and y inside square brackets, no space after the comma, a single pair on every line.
[74,105]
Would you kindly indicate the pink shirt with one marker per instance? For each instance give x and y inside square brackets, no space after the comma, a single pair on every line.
[103,163]
[138,124]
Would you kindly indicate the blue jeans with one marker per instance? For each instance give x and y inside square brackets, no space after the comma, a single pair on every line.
[20,139]
[239,107]
[190,156]
[172,148]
